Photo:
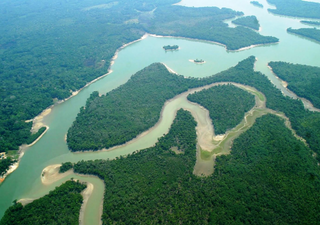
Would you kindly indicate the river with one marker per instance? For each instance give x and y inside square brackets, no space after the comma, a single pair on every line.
[25,182]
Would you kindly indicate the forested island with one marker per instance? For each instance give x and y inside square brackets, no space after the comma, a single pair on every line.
[296,8]
[311,23]
[256,3]
[170,47]
[205,24]
[303,80]
[73,44]
[248,21]
[311,33]
[60,206]
[144,186]
[268,169]
[226,104]
[102,122]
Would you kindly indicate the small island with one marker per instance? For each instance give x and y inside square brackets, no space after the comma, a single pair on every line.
[256,3]
[198,61]
[170,47]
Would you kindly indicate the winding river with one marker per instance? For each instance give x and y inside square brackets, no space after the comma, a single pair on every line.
[26,182]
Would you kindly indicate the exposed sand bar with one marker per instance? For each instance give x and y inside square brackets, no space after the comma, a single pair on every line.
[51,175]
[307,104]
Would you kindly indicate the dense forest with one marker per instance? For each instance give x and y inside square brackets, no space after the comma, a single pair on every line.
[226,104]
[256,3]
[5,165]
[303,80]
[65,167]
[311,23]
[306,123]
[248,21]
[126,111]
[262,181]
[92,122]
[209,25]
[49,49]
[60,206]
[311,33]
[296,8]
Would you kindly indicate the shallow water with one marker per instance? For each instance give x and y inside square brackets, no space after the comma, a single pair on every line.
[51,149]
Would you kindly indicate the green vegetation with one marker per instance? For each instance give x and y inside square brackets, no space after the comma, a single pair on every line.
[312,23]
[263,181]
[65,167]
[52,48]
[5,165]
[302,80]
[227,105]
[306,123]
[34,137]
[311,33]
[93,123]
[256,3]
[198,61]
[203,23]
[170,47]
[296,8]
[126,111]
[248,21]
[60,206]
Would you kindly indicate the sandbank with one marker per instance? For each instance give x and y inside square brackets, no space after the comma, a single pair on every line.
[86,193]
[193,61]
[51,174]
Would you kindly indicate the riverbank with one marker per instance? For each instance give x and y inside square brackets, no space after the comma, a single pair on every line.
[307,104]
[214,42]
[51,174]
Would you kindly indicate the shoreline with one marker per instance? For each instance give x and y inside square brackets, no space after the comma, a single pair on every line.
[213,42]
[38,120]
[50,175]
[306,103]
[193,61]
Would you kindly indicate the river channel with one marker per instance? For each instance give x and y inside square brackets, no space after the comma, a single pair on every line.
[25,182]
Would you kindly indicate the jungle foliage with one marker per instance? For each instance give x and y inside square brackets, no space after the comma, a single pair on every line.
[303,80]
[5,165]
[296,8]
[248,21]
[208,21]
[262,181]
[226,104]
[60,206]
[256,3]
[65,167]
[305,122]
[311,23]
[50,48]
[126,111]
[311,33]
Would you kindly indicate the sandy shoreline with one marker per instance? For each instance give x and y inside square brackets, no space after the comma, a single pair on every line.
[38,120]
[307,104]
[51,174]
[193,61]
[86,193]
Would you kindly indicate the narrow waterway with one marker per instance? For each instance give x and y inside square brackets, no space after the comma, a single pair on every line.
[25,182]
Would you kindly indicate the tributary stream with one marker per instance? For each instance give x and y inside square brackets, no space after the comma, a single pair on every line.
[25,182]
